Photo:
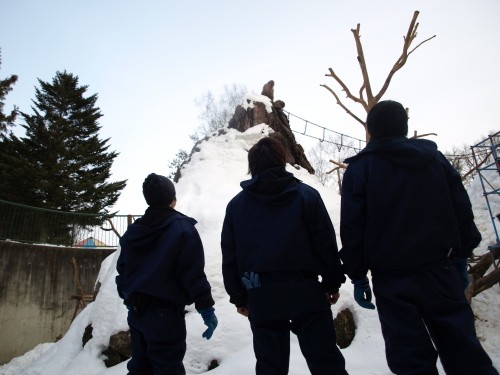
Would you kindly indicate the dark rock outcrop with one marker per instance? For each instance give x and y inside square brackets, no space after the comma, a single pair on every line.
[345,328]
[119,349]
[255,114]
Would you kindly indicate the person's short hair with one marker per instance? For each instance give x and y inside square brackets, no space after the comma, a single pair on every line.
[387,119]
[265,154]
[158,190]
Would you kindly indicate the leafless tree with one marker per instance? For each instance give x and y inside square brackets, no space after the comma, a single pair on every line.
[216,112]
[462,160]
[366,96]
[333,147]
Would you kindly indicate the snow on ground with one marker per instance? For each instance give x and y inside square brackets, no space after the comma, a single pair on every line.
[208,182]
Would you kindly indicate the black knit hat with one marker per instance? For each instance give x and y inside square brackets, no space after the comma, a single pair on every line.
[158,190]
[387,119]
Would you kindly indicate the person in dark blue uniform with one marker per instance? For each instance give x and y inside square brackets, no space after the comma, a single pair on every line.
[277,238]
[407,218]
[160,271]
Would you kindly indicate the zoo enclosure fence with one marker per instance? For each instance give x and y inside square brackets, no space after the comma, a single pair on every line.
[34,225]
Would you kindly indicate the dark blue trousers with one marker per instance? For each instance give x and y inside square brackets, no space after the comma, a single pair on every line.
[425,315]
[158,338]
[300,307]
[316,335]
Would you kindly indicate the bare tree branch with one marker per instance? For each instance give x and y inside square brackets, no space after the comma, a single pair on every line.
[422,135]
[409,53]
[339,102]
[370,99]
[401,61]
[480,281]
[345,88]
[486,282]
[364,70]
[333,170]
[339,164]
[338,168]
[113,228]
[474,167]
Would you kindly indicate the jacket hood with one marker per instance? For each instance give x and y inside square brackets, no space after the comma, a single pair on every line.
[149,227]
[404,152]
[273,186]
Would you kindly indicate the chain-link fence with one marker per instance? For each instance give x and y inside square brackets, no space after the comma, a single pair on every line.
[43,226]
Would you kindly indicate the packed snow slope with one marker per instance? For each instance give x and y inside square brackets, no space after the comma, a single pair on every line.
[207,184]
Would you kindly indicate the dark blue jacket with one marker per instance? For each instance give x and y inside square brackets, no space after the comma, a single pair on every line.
[403,208]
[162,256]
[278,224]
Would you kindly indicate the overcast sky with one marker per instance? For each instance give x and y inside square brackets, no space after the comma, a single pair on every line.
[149,61]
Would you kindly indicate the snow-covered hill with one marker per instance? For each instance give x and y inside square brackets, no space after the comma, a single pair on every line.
[208,182]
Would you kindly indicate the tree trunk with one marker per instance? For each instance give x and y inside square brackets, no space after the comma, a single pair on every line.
[480,281]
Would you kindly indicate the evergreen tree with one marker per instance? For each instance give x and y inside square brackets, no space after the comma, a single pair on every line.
[175,165]
[5,87]
[60,163]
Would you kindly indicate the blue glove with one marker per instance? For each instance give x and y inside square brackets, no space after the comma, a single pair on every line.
[210,321]
[363,293]
[251,280]
[461,265]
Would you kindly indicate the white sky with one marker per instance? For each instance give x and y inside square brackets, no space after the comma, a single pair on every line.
[149,61]
[202,196]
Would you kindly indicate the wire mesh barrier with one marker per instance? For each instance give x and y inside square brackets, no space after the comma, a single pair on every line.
[52,227]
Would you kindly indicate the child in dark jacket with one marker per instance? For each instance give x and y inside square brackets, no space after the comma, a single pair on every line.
[160,271]
[406,217]
[277,239]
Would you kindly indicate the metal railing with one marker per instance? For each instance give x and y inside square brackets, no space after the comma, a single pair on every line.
[28,224]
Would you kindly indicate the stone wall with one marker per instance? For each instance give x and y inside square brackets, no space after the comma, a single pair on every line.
[36,285]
